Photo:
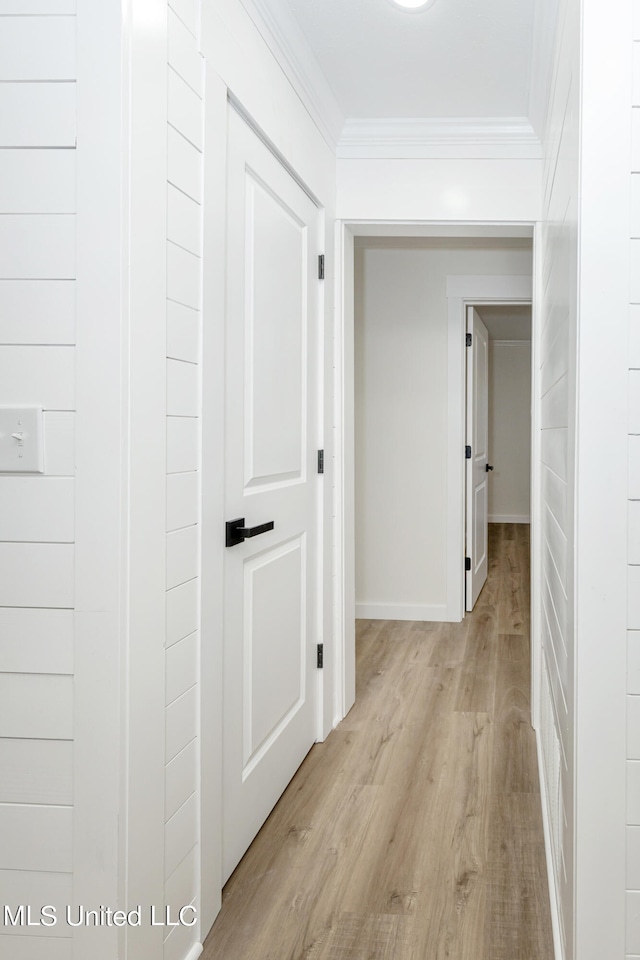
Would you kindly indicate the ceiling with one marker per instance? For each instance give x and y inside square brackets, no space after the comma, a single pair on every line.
[459,58]
[506,322]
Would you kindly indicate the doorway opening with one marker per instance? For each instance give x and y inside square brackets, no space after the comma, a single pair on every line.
[365,462]
[498,430]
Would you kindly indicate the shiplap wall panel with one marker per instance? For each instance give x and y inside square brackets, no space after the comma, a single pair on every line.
[37,707]
[36,837]
[184,284]
[183,502]
[188,12]
[181,779]
[37,512]
[633,792]
[38,888]
[181,833]
[554,450]
[181,723]
[37,509]
[184,165]
[183,276]
[183,221]
[182,444]
[36,575]
[38,48]
[183,332]
[181,885]
[182,611]
[634,337]
[182,556]
[36,640]
[36,771]
[633,728]
[554,492]
[37,181]
[633,662]
[633,921]
[35,948]
[183,398]
[634,401]
[634,531]
[30,8]
[633,620]
[38,115]
[558,322]
[185,109]
[38,247]
[42,376]
[37,311]
[59,444]
[182,667]
[633,858]
[183,54]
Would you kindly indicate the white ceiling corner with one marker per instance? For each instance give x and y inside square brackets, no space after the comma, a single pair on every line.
[283,36]
[467,78]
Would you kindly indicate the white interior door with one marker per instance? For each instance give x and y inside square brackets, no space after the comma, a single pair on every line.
[271,440]
[478,467]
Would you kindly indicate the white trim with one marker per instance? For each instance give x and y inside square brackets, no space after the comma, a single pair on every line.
[100,561]
[510,343]
[463,290]
[551,879]
[212,555]
[344,477]
[535,545]
[194,952]
[295,57]
[399,611]
[509,518]
[449,137]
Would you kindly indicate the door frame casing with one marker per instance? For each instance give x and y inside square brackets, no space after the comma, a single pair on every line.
[461,290]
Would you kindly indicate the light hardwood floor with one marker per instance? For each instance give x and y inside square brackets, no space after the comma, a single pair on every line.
[414,832]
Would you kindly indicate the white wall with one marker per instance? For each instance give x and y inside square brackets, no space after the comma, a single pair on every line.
[557,318]
[445,189]
[37,513]
[583,277]
[510,431]
[401,414]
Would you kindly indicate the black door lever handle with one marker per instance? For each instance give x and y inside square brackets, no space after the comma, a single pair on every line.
[237,533]
[488,467]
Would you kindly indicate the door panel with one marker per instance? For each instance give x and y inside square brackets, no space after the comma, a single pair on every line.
[271,435]
[477,473]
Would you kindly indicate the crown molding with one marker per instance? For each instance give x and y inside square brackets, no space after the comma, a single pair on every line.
[448,137]
[287,43]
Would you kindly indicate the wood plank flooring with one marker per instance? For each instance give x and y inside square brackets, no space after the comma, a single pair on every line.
[414,832]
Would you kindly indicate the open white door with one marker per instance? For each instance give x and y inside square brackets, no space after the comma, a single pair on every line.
[478,467]
[271,438]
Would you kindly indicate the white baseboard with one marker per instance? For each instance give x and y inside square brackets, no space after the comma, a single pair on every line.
[195,952]
[551,879]
[509,518]
[399,611]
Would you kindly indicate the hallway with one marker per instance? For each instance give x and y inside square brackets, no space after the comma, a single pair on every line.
[414,832]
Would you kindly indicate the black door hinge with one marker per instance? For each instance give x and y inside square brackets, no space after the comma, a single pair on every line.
[321,267]
[469,339]
[320,660]
[320,461]
[467,563]
[467,452]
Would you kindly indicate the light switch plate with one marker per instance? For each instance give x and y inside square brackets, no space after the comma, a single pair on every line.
[21,440]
